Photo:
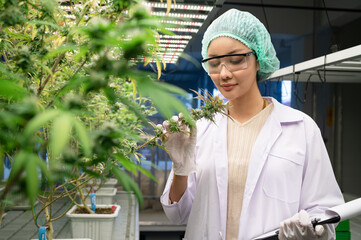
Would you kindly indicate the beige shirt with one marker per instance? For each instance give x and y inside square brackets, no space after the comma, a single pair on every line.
[241,138]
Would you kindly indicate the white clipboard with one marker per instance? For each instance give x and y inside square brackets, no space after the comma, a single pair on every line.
[333,215]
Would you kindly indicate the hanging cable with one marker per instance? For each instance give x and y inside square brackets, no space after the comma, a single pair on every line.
[334,46]
[265,16]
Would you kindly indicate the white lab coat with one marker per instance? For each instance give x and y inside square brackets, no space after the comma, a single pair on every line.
[289,170]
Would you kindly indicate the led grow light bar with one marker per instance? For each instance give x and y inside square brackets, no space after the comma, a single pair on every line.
[172,41]
[180,15]
[176,36]
[180,6]
[172,45]
[183,23]
[191,30]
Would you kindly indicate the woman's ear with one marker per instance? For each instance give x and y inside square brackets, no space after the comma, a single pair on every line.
[257,63]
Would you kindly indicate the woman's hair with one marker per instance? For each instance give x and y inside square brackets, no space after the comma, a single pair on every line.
[246,28]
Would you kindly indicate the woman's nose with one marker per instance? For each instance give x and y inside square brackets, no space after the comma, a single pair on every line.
[224,72]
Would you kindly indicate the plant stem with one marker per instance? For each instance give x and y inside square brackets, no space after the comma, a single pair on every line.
[84,202]
[49,225]
[2,211]
[63,214]
[53,70]
[150,140]
[76,72]
[34,216]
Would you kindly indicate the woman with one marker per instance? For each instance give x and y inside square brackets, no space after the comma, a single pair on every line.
[244,175]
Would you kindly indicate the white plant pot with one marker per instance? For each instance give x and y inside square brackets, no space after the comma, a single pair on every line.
[109,183]
[68,239]
[103,195]
[94,226]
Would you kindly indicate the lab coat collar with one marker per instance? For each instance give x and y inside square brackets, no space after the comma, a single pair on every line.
[283,113]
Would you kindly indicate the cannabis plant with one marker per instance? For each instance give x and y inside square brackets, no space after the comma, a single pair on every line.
[72,102]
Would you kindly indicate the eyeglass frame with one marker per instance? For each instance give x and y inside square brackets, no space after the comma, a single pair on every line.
[230,55]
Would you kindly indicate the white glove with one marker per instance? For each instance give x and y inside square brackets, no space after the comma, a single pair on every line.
[180,147]
[300,227]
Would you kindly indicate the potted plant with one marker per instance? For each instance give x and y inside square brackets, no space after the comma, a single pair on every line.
[71,99]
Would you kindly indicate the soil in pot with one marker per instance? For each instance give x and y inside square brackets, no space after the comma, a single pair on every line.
[82,210]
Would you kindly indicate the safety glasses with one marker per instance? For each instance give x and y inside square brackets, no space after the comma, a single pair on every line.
[233,62]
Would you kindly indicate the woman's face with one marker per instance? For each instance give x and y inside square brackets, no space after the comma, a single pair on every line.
[236,84]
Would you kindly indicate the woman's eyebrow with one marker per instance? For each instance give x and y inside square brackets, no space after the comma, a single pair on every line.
[236,51]
[231,52]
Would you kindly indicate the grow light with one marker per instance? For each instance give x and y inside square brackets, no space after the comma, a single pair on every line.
[340,67]
[191,30]
[171,49]
[176,36]
[180,15]
[153,60]
[172,41]
[172,45]
[189,18]
[180,6]
[185,23]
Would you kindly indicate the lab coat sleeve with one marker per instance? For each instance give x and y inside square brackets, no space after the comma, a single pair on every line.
[178,212]
[320,190]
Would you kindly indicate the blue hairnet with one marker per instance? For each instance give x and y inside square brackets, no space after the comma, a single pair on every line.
[246,28]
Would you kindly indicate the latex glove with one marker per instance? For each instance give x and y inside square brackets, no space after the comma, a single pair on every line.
[300,227]
[180,147]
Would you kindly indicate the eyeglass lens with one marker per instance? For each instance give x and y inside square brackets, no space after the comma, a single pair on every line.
[232,63]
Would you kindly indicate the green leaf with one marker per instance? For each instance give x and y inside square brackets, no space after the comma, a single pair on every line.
[43,167]
[11,90]
[60,133]
[1,161]
[122,177]
[17,35]
[18,164]
[128,183]
[161,95]
[9,74]
[38,22]
[159,68]
[46,68]
[126,163]
[83,136]
[49,5]
[82,52]
[60,50]
[110,94]
[133,107]
[32,181]
[145,172]
[39,120]
[72,84]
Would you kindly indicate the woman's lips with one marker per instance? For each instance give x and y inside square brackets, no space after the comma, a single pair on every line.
[228,86]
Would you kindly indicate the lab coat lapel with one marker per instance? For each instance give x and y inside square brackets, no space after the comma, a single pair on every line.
[221,165]
[266,138]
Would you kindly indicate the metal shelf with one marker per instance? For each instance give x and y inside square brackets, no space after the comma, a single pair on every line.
[339,67]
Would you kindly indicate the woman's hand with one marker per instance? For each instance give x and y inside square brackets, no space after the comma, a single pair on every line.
[300,227]
[180,146]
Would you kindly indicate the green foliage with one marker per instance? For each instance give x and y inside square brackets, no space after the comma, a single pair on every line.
[11,90]
[69,90]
